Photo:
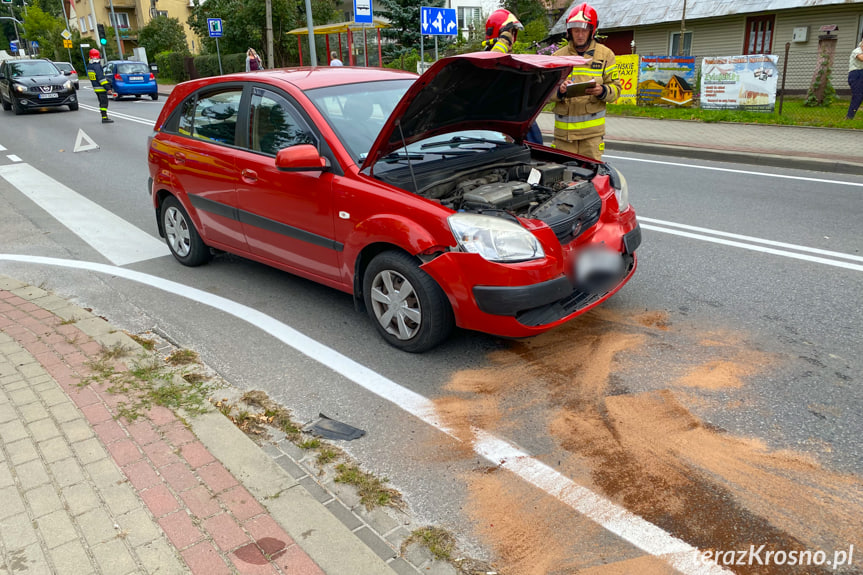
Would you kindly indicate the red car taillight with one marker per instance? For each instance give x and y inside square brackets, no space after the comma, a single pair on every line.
[152,76]
[118,77]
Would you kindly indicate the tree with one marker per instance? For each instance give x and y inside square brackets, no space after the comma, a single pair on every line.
[45,29]
[404,17]
[526,10]
[163,34]
[247,27]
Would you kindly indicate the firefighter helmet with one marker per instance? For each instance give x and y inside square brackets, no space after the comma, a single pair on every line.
[583,16]
[501,21]
[95,54]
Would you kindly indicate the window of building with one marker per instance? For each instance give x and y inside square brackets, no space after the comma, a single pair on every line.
[162,13]
[470,15]
[82,24]
[674,48]
[90,20]
[759,35]
[119,20]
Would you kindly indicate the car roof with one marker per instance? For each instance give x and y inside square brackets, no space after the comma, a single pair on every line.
[307,78]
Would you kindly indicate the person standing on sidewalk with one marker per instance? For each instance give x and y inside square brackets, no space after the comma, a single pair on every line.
[855,80]
[579,119]
[501,31]
[253,61]
[100,83]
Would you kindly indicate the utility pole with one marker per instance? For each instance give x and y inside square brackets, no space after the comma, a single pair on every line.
[270,57]
[682,31]
[116,25]
[310,26]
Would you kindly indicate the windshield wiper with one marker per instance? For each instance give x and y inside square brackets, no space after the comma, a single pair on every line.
[459,140]
[397,156]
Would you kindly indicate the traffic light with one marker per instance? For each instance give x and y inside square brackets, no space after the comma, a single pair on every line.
[101,29]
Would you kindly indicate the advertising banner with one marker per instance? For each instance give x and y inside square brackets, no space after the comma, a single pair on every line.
[627,66]
[739,83]
[666,81]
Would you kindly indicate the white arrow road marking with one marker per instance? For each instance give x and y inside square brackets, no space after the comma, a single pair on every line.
[117,240]
[616,519]
[80,146]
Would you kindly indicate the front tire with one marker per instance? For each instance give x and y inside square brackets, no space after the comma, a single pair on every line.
[6,105]
[73,107]
[16,107]
[183,239]
[409,309]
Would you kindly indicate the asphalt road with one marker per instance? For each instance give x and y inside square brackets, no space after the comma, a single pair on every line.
[717,396]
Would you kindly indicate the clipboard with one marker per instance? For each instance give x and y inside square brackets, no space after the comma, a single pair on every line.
[578,88]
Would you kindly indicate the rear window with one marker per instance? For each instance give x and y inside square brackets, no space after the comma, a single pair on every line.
[63,66]
[133,68]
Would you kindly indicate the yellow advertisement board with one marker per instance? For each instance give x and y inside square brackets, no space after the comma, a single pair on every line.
[627,65]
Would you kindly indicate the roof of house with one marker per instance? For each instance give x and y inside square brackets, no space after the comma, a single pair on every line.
[631,13]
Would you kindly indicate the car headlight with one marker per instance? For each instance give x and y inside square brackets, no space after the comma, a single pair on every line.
[621,188]
[67,85]
[20,88]
[495,239]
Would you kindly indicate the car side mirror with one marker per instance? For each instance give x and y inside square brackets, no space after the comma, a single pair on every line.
[301,158]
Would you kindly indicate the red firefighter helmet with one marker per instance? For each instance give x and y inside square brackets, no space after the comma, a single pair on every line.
[501,21]
[583,16]
[95,54]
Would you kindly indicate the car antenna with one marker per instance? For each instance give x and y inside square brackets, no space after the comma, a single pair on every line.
[408,156]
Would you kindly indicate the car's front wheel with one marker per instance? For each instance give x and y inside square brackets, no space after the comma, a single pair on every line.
[183,239]
[73,107]
[409,309]
[6,105]
[17,108]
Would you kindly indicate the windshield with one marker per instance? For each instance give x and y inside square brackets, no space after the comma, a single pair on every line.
[133,68]
[35,68]
[357,112]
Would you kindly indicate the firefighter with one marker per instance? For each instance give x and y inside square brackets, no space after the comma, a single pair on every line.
[100,83]
[501,30]
[579,121]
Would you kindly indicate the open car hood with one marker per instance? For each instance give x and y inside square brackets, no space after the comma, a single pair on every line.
[476,91]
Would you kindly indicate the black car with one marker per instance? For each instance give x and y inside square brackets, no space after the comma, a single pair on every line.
[33,84]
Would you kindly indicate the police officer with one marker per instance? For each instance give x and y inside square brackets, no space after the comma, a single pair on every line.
[100,83]
[579,121]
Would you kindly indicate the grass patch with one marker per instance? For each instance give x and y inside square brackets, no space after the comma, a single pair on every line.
[437,540]
[372,491]
[146,343]
[147,383]
[310,444]
[182,357]
[69,321]
[327,455]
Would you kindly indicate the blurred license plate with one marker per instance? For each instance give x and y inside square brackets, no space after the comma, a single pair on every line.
[48,96]
[594,263]
[136,78]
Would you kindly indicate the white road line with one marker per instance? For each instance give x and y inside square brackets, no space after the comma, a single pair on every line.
[617,520]
[799,248]
[792,255]
[2,148]
[746,172]
[113,114]
[13,158]
[116,239]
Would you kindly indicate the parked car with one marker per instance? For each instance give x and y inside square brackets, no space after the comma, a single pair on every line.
[32,84]
[417,196]
[69,70]
[130,78]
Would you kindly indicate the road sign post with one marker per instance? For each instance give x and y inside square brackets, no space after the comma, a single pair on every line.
[214,27]
[436,22]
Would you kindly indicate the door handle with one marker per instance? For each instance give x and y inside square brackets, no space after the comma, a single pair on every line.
[180,158]
[249,176]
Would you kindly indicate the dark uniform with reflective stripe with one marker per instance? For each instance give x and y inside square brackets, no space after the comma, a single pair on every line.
[579,122]
[100,86]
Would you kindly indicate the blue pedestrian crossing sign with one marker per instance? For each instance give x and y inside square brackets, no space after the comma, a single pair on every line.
[438,21]
[214,26]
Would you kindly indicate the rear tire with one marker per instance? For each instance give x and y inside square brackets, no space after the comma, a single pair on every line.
[409,309]
[154,96]
[183,239]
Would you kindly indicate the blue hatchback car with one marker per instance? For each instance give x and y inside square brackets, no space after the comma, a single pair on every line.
[130,78]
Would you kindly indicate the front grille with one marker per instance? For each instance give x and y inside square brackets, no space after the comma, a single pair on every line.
[46,89]
[575,301]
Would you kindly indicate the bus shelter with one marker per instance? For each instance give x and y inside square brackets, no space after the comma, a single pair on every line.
[347,28]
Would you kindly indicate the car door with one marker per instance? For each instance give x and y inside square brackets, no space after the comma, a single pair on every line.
[200,153]
[287,216]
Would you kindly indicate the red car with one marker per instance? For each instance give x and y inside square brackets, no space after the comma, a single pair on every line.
[417,195]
